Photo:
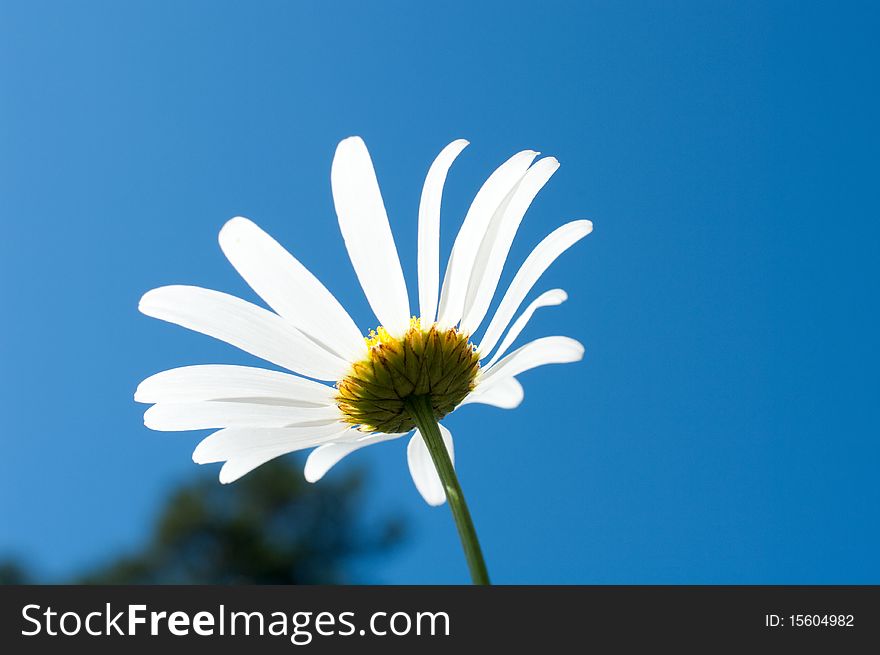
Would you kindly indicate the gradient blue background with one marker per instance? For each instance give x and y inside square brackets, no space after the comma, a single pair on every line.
[723,427]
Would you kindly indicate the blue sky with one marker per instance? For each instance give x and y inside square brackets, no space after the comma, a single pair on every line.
[723,427]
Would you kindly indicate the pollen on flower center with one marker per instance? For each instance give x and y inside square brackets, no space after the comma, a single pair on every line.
[434,362]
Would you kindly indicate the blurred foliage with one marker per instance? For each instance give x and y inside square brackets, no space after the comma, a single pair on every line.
[270,527]
[12,572]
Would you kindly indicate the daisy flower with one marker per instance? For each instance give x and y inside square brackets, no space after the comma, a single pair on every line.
[343,391]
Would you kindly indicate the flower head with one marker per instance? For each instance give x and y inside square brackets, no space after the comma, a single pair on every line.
[440,364]
[346,391]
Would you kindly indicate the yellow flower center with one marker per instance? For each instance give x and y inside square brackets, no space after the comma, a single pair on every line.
[439,364]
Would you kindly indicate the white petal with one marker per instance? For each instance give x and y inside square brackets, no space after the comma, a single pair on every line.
[367,234]
[246,462]
[222,381]
[547,350]
[429,230]
[504,392]
[544,254]
[496,244]
[233,442]
[290,289]
[241,465]
[170,417]
[476,221]
[422,468]
[325,457]
[546,299]
[244,325]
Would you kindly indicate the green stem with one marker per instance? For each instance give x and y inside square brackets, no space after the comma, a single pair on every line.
[423,414]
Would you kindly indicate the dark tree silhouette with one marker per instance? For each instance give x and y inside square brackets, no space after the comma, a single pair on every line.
[270,527]
[11,572]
